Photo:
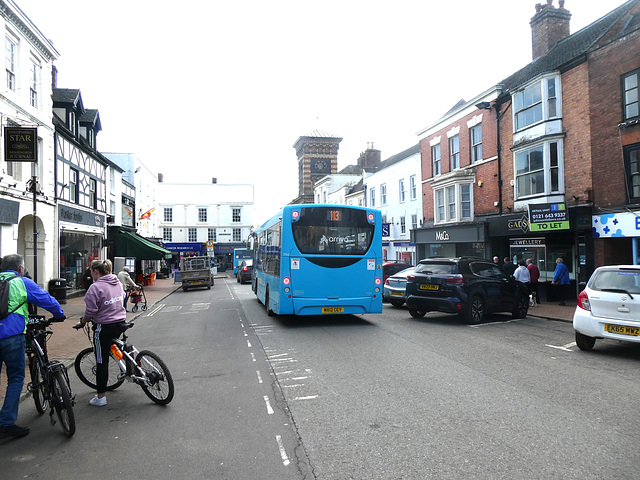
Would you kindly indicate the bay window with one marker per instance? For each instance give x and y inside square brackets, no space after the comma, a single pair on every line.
[538,170]
[536,103]
[453,203]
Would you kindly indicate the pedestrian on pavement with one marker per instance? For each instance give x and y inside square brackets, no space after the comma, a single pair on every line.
[496,260]
[522,275]
[128,285]
[104,307]
[534,274]
[13,327]
[561,278]
[86,278]
[508,266]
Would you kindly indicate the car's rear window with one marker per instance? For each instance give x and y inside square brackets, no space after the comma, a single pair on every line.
[440,268]
[626,280]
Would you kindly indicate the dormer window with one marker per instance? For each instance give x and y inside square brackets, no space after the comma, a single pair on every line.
[72,122]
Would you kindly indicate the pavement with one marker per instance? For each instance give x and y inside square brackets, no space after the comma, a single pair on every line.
[66,342]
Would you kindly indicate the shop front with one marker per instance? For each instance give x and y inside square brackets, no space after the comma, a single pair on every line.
[81,241]
[224,254]
[512,236]
[617,238]
[184,249]
[450,241]
[149,257]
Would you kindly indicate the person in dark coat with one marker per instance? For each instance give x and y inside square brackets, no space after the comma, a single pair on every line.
[508,267]
[87,280]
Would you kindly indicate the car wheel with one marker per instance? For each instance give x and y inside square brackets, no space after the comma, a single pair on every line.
[584,343]
[417,312]
[522,308]
[397,303]
[475,311]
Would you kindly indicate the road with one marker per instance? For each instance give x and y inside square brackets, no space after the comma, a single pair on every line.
[371,397]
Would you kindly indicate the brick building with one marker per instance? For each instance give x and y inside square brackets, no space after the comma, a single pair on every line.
[560,142]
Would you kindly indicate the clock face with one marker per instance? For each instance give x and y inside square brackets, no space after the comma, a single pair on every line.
[320,165]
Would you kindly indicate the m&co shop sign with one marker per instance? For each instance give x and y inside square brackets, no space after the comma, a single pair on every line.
[548,216]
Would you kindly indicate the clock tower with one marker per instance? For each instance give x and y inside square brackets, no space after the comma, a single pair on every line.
[317,157]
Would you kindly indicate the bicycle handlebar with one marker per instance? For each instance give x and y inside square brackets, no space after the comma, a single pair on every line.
[40,319]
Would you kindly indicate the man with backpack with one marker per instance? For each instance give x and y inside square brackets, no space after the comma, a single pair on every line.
[16,291]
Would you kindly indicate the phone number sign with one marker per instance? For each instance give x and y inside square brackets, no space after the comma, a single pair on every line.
[548,216]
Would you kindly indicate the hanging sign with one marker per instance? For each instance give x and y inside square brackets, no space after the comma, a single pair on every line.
[20,144]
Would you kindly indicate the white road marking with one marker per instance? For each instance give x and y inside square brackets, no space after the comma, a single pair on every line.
[248,344]
[283,453]
[310,397]
[259,376]
[497,323]
[566,347]
[269,409]
[296,385]
[253,357]
[155,310]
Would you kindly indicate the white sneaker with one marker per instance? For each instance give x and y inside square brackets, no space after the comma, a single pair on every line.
[98,402]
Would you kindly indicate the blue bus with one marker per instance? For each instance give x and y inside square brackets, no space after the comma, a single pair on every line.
[240,255]
[319,259]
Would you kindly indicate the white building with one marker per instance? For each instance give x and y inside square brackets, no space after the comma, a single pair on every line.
[335,188]
[190,215]
[395,189]
[25,101]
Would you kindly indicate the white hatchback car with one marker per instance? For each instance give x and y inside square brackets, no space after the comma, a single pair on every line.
[609,306]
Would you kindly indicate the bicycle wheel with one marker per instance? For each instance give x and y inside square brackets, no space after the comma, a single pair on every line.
[160,385]
[38,387]
[86,365]
[61,399]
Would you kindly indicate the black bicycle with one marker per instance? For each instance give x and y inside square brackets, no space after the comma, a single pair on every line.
[143,368]
[49,384]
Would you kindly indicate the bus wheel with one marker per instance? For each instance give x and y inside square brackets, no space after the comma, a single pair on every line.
[266,303]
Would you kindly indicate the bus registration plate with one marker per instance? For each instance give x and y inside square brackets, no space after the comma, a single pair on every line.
[332,309]
[428,286]
[621,329]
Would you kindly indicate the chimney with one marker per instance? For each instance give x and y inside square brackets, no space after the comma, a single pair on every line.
[214,180]
[160,178]
[548,26]
[54,76]
[371,157]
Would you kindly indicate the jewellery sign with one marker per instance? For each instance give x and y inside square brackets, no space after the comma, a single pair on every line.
[20,144]
[548,216]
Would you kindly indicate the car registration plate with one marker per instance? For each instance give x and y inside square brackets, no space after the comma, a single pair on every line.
[428,286]
[196,283]
[332,309]
[621,329]
[400,294]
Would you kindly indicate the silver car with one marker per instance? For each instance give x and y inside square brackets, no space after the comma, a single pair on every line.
[394,287]
[609,306]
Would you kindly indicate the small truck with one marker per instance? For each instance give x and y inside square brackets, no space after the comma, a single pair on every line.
[196,272]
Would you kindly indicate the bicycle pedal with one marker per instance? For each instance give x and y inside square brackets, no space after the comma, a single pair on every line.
[121,376]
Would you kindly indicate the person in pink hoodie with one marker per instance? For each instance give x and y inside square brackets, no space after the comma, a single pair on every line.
[104,307]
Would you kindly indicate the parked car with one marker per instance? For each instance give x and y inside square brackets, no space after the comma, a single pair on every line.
[609,306]
[468,286]
[394,287]
[244,274]
[391,268]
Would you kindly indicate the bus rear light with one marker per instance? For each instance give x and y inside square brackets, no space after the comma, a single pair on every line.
[377,289]
[287,290]
[286,280]
[371,218]
[378,281]
[295,215]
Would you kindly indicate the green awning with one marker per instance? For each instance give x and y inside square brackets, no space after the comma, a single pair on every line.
[128,244]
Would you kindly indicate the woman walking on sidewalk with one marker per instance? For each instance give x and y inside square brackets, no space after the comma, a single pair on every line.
[104,307]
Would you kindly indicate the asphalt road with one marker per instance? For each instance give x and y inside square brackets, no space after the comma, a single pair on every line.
[371,397]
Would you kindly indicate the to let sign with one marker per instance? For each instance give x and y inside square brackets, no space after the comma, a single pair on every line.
[548,216]
[20,144]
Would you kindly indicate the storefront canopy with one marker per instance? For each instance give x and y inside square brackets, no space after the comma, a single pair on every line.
[128,244]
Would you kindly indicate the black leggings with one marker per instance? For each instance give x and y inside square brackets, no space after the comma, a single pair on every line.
[102,340]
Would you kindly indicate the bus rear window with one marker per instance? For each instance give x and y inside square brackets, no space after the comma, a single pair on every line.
[332,231]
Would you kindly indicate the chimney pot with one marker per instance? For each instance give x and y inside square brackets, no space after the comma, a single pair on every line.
[214,180]
[548,26]
[160,178]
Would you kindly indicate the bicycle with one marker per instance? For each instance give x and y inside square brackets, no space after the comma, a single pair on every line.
[143,368]
[49,383]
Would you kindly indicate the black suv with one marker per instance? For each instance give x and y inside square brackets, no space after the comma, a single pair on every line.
[467,286]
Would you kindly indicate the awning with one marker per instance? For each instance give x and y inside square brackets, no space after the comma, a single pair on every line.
[128,244]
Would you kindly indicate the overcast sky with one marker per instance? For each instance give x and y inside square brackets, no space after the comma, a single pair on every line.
[209,88]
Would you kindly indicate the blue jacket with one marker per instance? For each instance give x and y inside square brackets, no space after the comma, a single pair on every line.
[561,273]
[16,323]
